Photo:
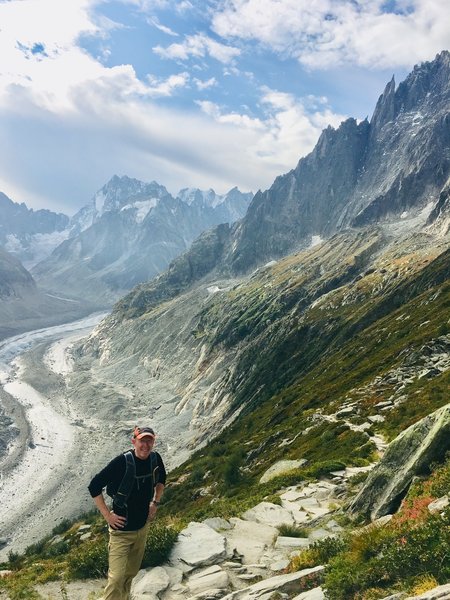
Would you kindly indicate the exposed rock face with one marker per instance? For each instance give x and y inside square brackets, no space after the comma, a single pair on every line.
[305,202]
[359,173]
[410,454]
[439,219]
[23,306]
[28,234]
[128,234]
[15,280]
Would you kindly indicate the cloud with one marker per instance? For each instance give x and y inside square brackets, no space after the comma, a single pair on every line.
[204,85]
[167,86]
[155,22]
[334,32]
[68,122]
[241,120]
[198,46]
[289,128]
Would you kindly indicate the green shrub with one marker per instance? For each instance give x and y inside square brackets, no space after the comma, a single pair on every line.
[292,531]
[389,556]
[15,560]
[232,474]
[440,481]
[322,468]
[21,591]
[88,560]
[56,549]
[160,542]
[62,527]
[318,553]
[325,549]
[273,498]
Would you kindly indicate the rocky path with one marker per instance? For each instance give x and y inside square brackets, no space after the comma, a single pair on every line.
[246,558]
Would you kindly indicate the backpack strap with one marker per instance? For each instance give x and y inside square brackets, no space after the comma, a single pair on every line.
[121,497]
[154,468]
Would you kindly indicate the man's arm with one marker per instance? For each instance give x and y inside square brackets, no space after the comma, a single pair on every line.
[110,517]
[159,489]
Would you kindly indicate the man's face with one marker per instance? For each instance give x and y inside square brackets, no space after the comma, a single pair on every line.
[143,447]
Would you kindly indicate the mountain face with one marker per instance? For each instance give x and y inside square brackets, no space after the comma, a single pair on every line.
[24,306]
[28,234]
[359,174]
[15,280]
[129,233]
[392,171]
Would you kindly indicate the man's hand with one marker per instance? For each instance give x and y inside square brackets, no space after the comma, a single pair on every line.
[152,508]
[115,521]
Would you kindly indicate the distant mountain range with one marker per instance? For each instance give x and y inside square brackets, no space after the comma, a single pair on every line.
[126,234]
[129,233]
[30,235]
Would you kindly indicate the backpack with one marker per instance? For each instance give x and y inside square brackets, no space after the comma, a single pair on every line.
[123,492]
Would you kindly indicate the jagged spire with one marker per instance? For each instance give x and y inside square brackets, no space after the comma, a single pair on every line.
[385,108]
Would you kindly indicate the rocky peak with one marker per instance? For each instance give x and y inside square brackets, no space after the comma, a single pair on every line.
[196,196]
[120,191]
[385,108]
[428,78]
[425,80]
[209,198]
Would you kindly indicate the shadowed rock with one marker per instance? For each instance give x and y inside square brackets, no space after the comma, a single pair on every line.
[408,455]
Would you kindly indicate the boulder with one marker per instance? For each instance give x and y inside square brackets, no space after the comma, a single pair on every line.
[408,455]
[281,467]
[442,592]
[439,504]
[211,578]
[291,543]
[314,594]
[150,583]
[217,523]
[280,584]
[269,514]
[249,540]
[197,545]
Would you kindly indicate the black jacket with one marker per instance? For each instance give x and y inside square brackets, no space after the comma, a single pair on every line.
[142,490]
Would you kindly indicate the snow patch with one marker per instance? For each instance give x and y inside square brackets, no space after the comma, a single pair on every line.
[99,201]
[39,246]
[142,208]
[315,240]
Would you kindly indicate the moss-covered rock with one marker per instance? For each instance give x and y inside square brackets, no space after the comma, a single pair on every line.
[410,454]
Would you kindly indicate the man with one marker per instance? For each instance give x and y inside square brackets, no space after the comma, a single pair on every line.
[136,482]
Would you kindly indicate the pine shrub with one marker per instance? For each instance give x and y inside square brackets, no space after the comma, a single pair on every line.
[89,560]
[160,542]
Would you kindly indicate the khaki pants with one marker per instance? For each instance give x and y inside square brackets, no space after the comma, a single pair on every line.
[126,549]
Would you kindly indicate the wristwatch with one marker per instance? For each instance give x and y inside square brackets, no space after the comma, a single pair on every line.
[155,502]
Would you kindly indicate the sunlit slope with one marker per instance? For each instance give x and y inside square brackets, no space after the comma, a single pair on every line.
[343,323]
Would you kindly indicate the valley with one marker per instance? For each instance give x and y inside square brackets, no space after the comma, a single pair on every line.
[309,338]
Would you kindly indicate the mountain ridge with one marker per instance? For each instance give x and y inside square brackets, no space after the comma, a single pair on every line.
[328,189]
[128,233]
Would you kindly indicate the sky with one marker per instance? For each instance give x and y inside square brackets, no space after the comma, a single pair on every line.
[206,93]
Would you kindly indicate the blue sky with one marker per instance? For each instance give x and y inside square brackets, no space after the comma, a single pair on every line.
[202,94]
